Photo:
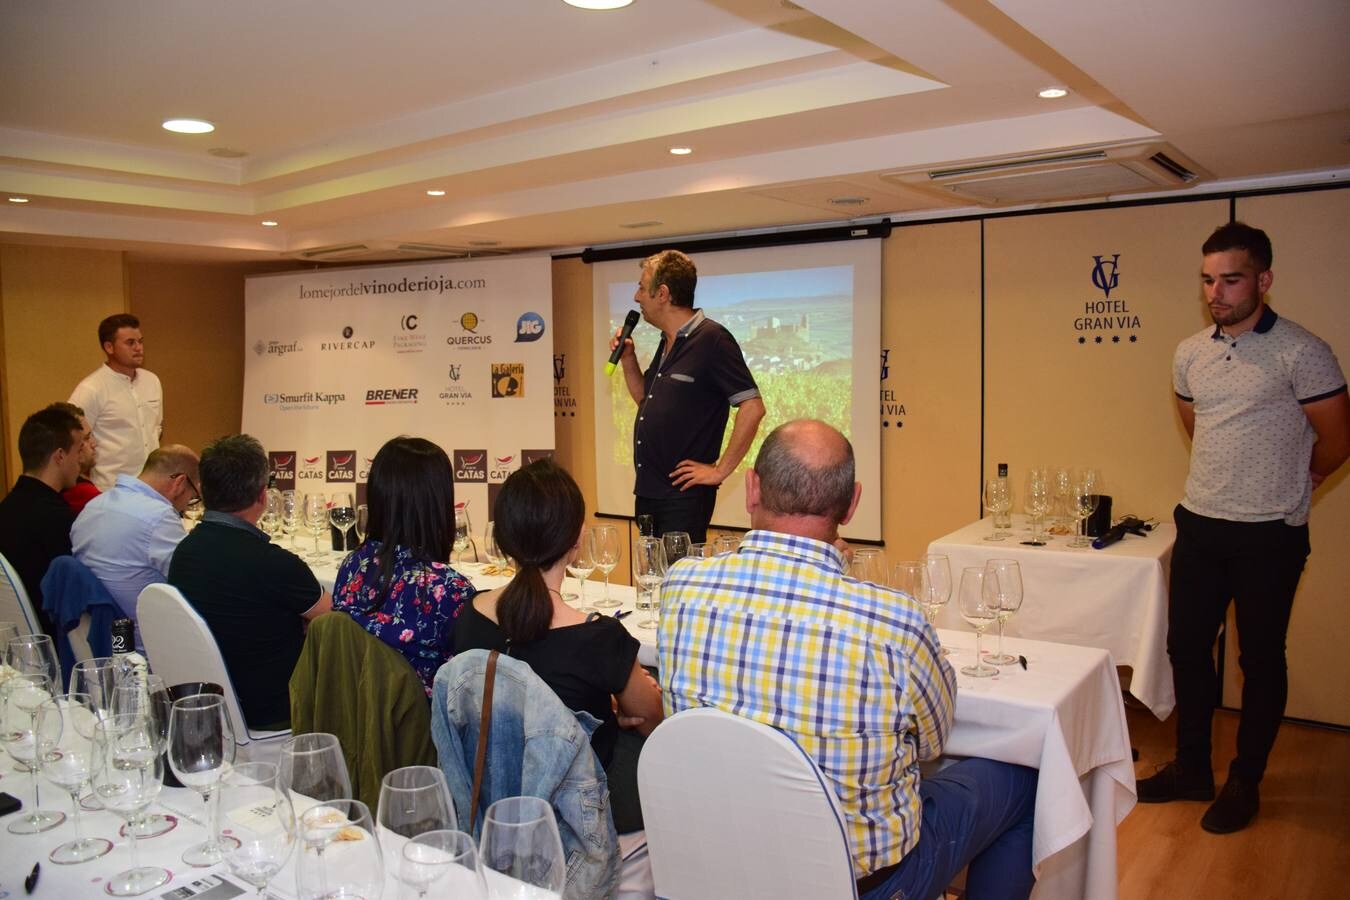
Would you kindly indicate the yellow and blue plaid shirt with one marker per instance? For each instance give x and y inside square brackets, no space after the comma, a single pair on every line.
[777,633]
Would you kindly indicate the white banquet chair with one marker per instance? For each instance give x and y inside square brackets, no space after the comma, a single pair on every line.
[14,603]
[734,808]
[181,649]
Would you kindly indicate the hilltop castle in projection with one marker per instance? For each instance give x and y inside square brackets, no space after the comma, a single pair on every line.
[779,346]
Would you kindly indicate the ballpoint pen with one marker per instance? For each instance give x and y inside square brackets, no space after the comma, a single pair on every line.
[31,881]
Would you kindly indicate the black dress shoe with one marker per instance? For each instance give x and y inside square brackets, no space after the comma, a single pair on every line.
[1236,807]
[1175,782]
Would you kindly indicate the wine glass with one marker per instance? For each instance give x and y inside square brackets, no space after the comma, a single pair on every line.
[463,532]
[1087,488]
[96,678]
[445,860]
[605,544]
[413,800]
[583,564]
[700,551]
[977,609]
[937,587]
[201,750]
[270,520]
[145,695]
[20,699]
[292,514]
[342,514]
[677,546]
[908,576]
[339,853]
[193,513]
[649,568]
[492,550]
[997,500]
[262,820]
[311,768]
[727,543]
[1003,586]
[1037,503]
[127,775]
[1061,495]
[34,654]
[868,564]
[362,523]
[66,732]
[316,522]
[646,525]
[520,840]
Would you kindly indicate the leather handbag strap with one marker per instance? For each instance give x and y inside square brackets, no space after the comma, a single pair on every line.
[484,725]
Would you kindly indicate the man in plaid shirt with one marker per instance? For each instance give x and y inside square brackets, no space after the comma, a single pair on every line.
[777,633]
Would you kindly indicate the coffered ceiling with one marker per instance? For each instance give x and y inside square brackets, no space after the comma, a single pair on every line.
[550,127]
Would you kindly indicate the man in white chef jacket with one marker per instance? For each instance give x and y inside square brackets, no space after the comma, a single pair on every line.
[123,402]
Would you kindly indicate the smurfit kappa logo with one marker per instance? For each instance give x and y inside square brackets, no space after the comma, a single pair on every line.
[341,465]
[1106,273]
[281,463]
[470,465]
[529,327]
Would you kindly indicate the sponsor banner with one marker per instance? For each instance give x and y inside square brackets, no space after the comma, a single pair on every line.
[348,358]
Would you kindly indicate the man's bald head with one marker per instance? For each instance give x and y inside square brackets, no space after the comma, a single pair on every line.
[805,468]
[172,471]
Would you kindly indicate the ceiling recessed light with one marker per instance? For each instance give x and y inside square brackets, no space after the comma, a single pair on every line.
[269,223]
[188,126]
[18,199]
[1053,93]
[435,193]
[598,4]
[681,151]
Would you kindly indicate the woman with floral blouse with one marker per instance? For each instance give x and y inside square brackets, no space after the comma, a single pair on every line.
[397,585]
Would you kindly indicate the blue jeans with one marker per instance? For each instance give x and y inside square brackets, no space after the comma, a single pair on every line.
[978,813]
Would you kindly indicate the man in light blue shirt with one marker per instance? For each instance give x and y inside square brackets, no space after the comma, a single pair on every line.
[126,536]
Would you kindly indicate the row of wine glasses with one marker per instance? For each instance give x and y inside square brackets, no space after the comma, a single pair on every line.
[990,595]
[1071,495]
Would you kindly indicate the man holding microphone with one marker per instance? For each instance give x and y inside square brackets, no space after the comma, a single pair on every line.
[683,401]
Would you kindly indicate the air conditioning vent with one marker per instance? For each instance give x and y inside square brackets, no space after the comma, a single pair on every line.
[341,251]
[1071,175]
[388,251]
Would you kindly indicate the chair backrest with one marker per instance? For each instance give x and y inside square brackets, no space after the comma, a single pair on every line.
[181,648]
[79,639]
[734,808]
[14,603]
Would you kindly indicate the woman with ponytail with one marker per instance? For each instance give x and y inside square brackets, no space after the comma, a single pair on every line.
[590,662]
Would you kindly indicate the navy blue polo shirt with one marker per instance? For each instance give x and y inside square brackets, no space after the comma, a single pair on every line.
[688,393]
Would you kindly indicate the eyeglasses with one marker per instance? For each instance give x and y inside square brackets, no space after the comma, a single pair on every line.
[196,494]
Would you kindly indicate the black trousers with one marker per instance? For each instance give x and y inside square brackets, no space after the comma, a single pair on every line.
[690,512]
[1256,566]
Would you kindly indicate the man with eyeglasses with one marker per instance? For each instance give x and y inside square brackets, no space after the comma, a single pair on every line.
[126,536]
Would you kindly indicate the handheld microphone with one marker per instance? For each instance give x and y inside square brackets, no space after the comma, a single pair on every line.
[629,323]
[1127,525]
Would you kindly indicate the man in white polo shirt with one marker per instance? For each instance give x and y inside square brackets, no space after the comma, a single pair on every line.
[1265,403]
[123,402]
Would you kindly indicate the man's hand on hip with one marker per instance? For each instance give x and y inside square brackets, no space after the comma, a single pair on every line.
[690,472]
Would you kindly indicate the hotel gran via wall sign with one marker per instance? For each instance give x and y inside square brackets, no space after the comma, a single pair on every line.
[1108,319]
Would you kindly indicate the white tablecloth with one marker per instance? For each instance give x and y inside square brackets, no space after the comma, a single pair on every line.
[1063,716]
[1115,599]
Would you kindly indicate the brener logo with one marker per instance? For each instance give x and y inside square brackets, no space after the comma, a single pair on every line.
[275,348]
[342,465]
[388,396]
[529,327]
[470,339]
[508,379]
[281,463]
[470,465]
[347,343]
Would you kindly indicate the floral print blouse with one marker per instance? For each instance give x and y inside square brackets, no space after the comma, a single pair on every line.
[417,612]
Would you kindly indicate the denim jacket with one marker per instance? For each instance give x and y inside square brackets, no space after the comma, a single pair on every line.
[537,747]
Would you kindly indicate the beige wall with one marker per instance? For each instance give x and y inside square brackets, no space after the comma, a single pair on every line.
[192,317]
[51,301]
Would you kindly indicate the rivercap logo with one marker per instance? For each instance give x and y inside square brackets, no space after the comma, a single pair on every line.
[470,465]
[469,322]
[341,465]
[559,366]
[529,327]
[508,379]
[347,332]
[281,463]
[1106,273]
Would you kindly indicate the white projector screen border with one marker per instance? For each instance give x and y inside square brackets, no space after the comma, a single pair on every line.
[764,278]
